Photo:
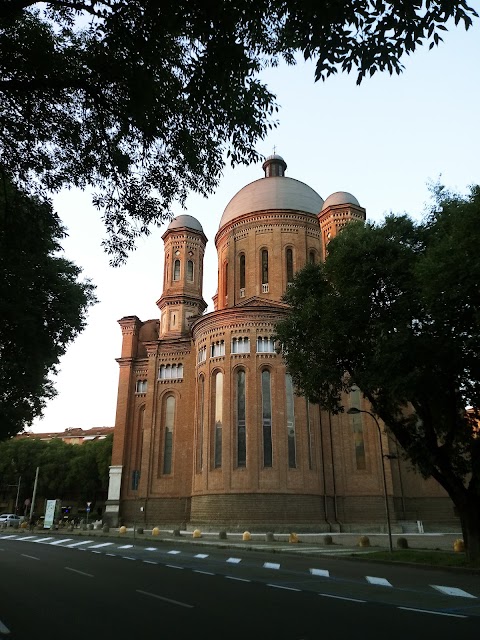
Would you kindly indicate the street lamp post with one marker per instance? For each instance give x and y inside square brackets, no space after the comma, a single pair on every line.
[354,411]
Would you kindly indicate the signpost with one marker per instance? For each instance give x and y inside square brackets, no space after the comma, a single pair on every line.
[135,480]
[89,504]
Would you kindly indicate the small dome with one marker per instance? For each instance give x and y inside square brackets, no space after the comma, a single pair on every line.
[340,197]
[185,220]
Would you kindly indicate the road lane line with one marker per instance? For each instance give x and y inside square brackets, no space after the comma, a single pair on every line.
[126,546]
[60,541]
[31,557]
[329,595]
[154,595]
[173,552]
[201,555]
[320,572]
[435,613]
[82,573]
[151,549]
[235,578]
[174,566]
[128,558]
[234,560]
[279,586]
[453,591]
[150,562]
[77,544]
[205,573]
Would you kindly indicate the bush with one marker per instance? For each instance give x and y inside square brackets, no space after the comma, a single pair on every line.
[139,529]
[402,543]
[269,537]
[222,535]
[327,540]
[105,528]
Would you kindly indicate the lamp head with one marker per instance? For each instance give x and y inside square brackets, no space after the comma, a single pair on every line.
[353,411]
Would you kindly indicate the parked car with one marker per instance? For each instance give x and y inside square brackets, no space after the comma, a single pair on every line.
[10,520]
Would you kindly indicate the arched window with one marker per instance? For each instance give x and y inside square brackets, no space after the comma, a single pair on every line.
[242,275]
[168,434]
[241,425]
[218,417]
[225,282]
[240,344]
[265,270]
[311,257]
[201,415]
[176,270]
[267,418]
[289,264]
[190,271]
[289,396]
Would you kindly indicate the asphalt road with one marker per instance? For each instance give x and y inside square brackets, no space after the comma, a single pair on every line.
[70,587]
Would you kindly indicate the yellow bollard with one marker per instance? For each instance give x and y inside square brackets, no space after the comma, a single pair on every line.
[197,533]
[364,541]
[122,530]
[293,538]
[459,545]
[246,535]
[155,531]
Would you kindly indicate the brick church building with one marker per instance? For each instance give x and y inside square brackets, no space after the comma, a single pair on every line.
[209,432]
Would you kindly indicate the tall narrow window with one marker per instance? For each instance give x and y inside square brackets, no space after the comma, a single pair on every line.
[242,275]
[266,418]
[190,270]
[218,408]
[241,426]
[201,414]
[357,422]
[309,433]
[264,267]
[225,283]
[289,264]
[311,257]
[292,454]
[176,270]
[168,431]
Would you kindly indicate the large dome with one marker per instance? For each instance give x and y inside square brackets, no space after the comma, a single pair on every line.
[275,192]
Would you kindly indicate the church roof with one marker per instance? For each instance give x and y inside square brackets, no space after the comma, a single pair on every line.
[185,220]
[274,191]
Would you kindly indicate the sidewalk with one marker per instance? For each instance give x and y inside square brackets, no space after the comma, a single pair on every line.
[306,542]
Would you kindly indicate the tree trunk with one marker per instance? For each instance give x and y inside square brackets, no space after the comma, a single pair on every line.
[469,512]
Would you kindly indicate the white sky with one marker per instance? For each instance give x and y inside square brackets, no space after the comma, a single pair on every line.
[383,141]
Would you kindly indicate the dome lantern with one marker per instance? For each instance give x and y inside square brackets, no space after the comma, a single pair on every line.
[274,166]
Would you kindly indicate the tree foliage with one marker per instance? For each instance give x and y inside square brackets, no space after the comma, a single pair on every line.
[395,309]
[143,100]
[66,471]
[43,305]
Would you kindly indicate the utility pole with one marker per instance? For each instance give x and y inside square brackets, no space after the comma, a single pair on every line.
[34,494]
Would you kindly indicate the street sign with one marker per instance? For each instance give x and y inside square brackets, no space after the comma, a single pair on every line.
[89,504]
[88,509]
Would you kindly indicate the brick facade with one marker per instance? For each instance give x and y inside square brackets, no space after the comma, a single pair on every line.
[205,413]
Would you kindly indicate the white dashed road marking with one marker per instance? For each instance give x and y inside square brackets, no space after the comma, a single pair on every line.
[77,544]
[435,613]
[3,629]
[174,552]
[126,546]
[453,591]
[103,544]
[154,595]
[201,555]
[82,573]
[234,560]
[320,572]
[271,565]
[380,581]
[329,595]
[60,541]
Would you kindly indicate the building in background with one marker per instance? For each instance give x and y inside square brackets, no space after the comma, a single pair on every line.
[70,436]
[209,432]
